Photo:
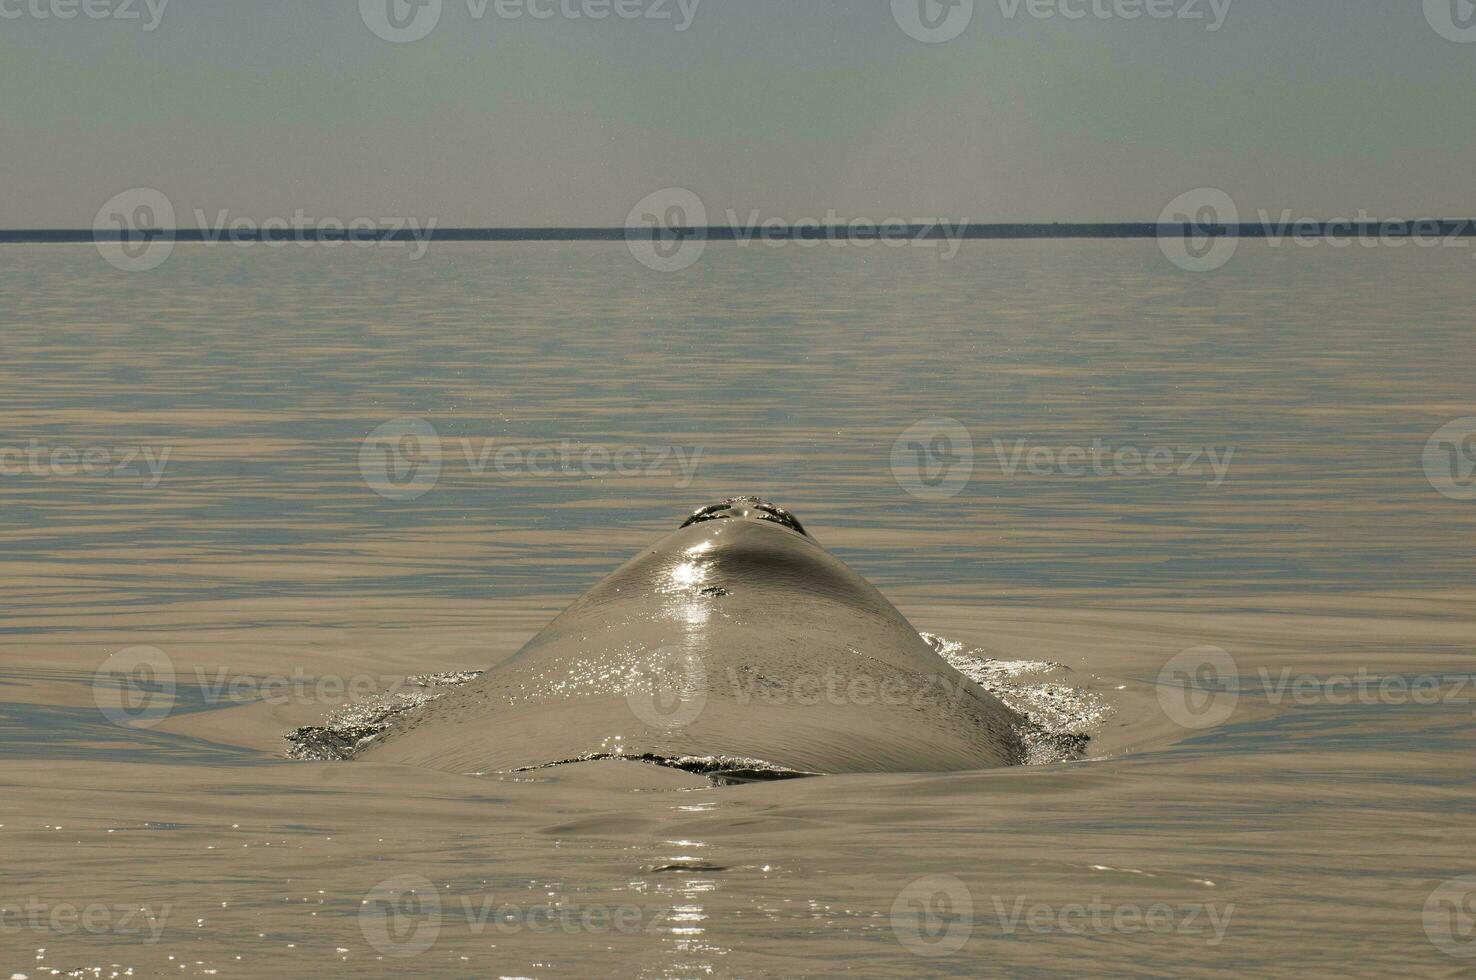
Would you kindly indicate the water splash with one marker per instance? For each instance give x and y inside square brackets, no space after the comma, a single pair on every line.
[1060,718]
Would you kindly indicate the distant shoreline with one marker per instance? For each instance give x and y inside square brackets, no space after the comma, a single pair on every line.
[1443,227]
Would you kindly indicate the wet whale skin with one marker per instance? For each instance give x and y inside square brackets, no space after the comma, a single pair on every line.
[735,640]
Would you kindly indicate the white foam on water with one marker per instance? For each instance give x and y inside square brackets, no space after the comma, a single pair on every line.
[1062,717]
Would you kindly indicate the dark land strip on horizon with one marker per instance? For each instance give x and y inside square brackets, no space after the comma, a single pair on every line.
[799,231]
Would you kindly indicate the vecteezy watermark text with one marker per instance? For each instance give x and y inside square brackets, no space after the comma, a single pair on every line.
[92,919]
[937,21]
[1201,688]
[150,12]
[678,13]
[935,916]
[935,459]
[136,230]
[669,230]
[403,459]
[1213,13]
[139,687]
[145,463]
[301,229]
[1205,921]
[835,230]
[1098,459]
[1201,230]
[405,21]
[670,687]
[403,917]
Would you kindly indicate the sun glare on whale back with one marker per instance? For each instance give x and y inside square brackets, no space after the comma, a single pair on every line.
[684,582]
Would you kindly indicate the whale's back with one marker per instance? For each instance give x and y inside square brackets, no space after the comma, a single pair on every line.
[730,644]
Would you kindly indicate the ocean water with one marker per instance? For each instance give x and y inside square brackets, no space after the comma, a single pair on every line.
[294,473]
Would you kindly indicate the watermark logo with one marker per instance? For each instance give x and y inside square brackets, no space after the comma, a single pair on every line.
[308,231]
[404,916]
[667,689]
[404,459]
[140,686]
[567,458]
[666,231]
[835,687]
[1098,917]
[1364,687]
[839,232]
[1365,231]
[134,230]
[1450,917]
[401,459]
[404,21]
[124,462]
[1199,688]
[938,21]
[1200,230]
[1213,12]
[135,688]
[669,230]
[1192,230]
[933,459]
[401,916]
[400,21]
[1450,460]
[680,13]
[143,923]
[1454,20]
[933,916]
[1212,463]
[933,21]
[90,9]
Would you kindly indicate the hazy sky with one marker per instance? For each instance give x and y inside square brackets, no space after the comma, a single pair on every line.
[789,107]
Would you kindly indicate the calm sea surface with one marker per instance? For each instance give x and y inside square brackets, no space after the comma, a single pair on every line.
[342,462]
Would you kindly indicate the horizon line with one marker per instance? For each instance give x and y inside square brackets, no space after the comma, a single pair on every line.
[803,231]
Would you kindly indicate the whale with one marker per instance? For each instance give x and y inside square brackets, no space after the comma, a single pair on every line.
[736,646]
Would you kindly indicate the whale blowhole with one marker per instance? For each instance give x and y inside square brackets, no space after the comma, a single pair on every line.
[746,507]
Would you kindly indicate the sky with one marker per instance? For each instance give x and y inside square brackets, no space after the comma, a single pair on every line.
[790,109]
